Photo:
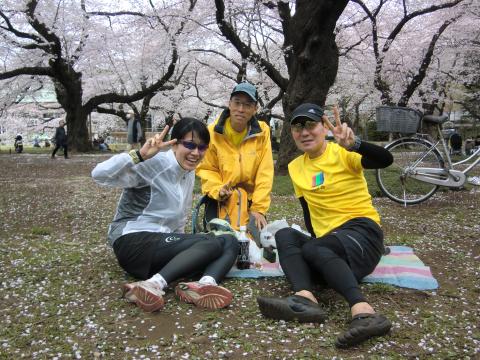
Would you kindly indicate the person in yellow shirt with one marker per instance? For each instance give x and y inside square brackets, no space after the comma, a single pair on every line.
[238,163]
[347,241]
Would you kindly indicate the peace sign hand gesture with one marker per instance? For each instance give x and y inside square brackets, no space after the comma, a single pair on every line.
[155,144]
[343,134]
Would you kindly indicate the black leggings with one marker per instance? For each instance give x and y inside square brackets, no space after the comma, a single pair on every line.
[173,256]
[323,260]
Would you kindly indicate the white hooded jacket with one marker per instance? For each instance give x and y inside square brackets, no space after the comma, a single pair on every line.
[157,194]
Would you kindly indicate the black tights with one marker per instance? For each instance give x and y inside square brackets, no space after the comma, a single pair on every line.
[174,256]
[306,260]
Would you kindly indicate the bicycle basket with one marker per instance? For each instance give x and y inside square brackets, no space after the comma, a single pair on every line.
[398,119]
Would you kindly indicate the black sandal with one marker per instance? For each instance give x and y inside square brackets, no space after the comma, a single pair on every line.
[294,307]
[363,327]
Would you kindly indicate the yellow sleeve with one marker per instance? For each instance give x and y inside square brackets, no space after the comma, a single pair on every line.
[264,177]
[209,173]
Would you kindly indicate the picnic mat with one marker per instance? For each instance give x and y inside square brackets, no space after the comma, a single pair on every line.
[401,267]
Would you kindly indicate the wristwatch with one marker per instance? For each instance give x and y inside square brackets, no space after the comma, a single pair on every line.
[135,155]
[356,145]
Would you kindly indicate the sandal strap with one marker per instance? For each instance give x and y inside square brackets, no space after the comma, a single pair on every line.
[364,316]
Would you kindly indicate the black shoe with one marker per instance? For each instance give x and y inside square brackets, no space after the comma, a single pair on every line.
[291,308]
[363,327]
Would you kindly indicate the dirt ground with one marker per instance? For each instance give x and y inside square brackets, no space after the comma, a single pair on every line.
[60,284]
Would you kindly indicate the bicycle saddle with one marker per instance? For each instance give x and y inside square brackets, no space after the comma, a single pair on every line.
[436,119]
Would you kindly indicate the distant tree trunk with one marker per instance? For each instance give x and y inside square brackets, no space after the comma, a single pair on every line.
[78,136]
[68,87]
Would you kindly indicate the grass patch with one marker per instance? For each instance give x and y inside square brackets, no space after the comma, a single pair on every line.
[373,188]
[406,239]
[282,185]
[42,231]
[378,288]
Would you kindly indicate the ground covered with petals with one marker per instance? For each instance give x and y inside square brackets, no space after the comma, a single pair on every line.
[60,285]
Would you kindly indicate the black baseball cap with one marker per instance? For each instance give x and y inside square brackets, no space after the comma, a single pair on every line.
[311,111]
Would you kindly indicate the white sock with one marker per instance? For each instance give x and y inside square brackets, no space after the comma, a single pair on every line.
[207,280]
[159,281]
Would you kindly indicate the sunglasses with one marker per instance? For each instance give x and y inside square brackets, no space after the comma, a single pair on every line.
[190,145]
[308,125]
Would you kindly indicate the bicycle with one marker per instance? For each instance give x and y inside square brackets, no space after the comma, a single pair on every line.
[421,165]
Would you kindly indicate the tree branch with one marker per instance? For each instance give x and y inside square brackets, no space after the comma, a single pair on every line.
[236,64]
[16,32]
[244,50]
[36,70]
[427,59]
[155,87]
[55,47]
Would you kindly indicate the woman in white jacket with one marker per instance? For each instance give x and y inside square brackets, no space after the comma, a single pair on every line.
[147,232]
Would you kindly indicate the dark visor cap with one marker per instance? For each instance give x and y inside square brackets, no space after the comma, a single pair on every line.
[311,111]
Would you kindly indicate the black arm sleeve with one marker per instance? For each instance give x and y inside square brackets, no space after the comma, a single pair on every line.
[374,156]
[306,216]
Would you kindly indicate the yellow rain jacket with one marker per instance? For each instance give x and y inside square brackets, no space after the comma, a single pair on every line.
[249,166]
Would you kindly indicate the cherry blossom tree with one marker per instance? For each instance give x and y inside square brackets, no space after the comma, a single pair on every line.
[83,53]
[403,38]
[417,60]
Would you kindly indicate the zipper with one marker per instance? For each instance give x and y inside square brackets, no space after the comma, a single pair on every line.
[239,207]
[241,167]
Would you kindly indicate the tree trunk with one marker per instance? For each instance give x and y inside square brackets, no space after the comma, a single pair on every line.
[68,87]
[312,66]
[78,136]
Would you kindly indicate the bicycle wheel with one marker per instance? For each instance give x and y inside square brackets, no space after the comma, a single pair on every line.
[395,181]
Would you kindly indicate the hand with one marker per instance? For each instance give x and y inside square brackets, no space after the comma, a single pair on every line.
[260,221]
[343,134]
[155,144]
[225,192]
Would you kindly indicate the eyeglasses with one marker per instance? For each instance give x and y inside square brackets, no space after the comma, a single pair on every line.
[190,145]
[308,125]
[247,105]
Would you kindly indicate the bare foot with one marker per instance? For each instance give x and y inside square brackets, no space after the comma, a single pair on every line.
[362,308]
[307,294]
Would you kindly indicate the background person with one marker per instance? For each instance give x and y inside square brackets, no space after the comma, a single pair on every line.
[147,233]
[239,158]
[134,130]
[102,145]
[61,140]
[347,241]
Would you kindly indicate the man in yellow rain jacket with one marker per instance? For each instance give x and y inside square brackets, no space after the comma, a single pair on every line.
[239,163]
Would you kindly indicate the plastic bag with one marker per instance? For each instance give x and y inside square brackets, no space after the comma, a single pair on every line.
[254,253]
[267,239]
[297,227]
[276,225]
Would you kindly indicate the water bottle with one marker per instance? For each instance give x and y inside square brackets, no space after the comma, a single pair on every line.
[243,261]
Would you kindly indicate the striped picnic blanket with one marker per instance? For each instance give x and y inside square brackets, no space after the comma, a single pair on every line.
[401,267]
